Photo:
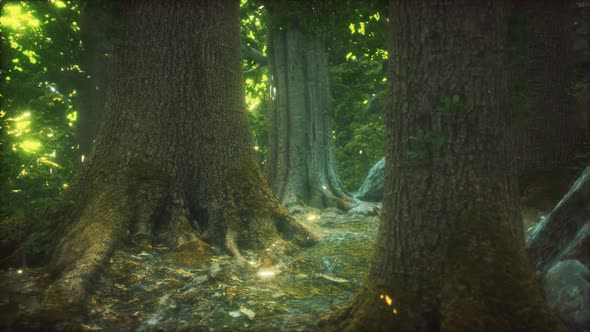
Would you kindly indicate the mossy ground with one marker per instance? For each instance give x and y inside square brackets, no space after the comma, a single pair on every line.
[197,288]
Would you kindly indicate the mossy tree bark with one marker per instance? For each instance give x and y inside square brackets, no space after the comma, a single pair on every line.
[450,252]
[173,162]
[300,167]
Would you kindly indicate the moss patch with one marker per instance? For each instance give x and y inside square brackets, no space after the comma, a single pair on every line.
[192,254]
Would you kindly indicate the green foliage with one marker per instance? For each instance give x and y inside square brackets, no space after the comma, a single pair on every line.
[358,59]
[355,37]
[312,17]
[425,146]
[253,35]
[361,152]
[37,116]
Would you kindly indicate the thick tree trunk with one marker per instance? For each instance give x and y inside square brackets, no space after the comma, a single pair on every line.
[548,128]
[450,253]
[300,167]
[173,162]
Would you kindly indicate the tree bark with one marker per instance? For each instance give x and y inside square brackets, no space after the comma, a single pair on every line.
[450,252]
[300,167]
[550,131]
[173,162]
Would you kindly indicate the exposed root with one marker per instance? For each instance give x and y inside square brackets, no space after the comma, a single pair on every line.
[82,253]
[245,216]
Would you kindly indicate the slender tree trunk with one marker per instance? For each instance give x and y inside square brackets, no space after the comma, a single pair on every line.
[300,167]
[173,162]
[450,253]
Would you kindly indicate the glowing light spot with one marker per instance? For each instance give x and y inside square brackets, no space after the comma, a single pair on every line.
[388,300]
[266,274]
[72,116]
[58,3]
[30,145]
[82,158]
[19,271]
[31,55]
[22,125]
[46,161]
[394,311]
[312,217]
[360,151]
[256,148]
[324,187]
[16,190]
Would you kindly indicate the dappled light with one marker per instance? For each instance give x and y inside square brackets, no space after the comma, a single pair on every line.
[389,301]
[30,145]
[17,17]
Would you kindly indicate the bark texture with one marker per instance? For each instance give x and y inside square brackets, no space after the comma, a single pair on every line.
[300,167]
[173,162]
[450,253]
[548,127]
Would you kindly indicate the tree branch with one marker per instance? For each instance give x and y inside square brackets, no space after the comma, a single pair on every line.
[254,54]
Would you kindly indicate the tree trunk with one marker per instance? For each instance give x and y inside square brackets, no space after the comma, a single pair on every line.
[300,167]
[173,162]
[450,252]
[551,129]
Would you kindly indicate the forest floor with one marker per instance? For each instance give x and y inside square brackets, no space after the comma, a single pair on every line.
[149,291]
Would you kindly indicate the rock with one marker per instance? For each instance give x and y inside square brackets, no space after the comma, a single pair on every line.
[567,289]
[565,232]
[559,249]
[372,188]
[366,209]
